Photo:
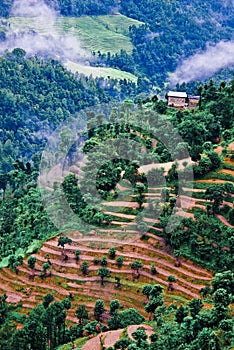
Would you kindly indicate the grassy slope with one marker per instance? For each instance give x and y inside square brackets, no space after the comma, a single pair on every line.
[99,33]
[104,33]
[100,71]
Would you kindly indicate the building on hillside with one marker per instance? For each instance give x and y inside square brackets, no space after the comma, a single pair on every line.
[181,100]
[177,99]
[193,101]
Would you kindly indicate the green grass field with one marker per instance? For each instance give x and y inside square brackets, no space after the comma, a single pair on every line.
[97,33]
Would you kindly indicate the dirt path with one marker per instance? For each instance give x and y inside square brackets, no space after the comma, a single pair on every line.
[226,171]
[111,337]
[167,166]
[121,204]
[218,181]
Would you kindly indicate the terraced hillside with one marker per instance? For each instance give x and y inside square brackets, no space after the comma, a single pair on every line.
[97,33]
[225,174]
[67,279]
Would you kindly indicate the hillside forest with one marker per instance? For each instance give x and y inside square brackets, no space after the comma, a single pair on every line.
[132,246]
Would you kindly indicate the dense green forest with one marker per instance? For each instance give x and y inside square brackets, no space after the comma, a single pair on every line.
[161,44]
[69,7]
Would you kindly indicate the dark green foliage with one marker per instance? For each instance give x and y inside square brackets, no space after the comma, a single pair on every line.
[53,96]
[33,100]
[84,268]
[31,262]
[62,241]
[43,325]
[114,306]
[82,314]
[153,269]
[48,298]
[224,280]
[119,261]
[181,313]
[159,46]
[112,252]
[98,309]
[3,308]
[103,261]
[130,316]
[136,265]
[195,307]
[103,272]
[122,344]
[154,298]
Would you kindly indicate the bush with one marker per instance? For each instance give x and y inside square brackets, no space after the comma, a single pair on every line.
[129,317]
[119,261]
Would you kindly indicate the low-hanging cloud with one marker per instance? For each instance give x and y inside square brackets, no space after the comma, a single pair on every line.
[51,45]
[204,65]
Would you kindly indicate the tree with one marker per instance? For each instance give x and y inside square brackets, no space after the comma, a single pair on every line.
[130,316]
[181,313]
[104,261]
[114,322]
[153,269]
[224,280]
[31,262]
[118,283]
[141,339]
[112,252]
[98,309]
[171,279]
[195,306]
[215,194]
[96,260]
[207,339]
[62,241]
[82,313]
[103,272]
[119,261]
[77,255]
[48,298]
[84,268]
[114,306]
[136,266]
[45,267]
[155,299]
[66,303]
[3,308]
[122,344]
[146,290]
